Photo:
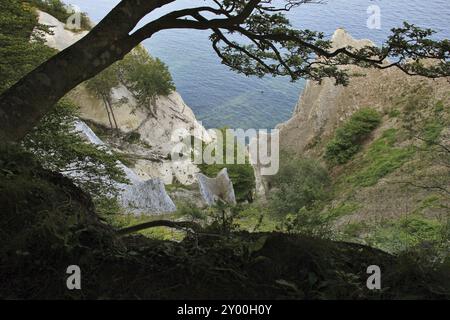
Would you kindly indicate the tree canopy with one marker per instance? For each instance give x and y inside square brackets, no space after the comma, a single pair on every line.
[267,44]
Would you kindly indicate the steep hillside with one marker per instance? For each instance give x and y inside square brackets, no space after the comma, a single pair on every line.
[397,176]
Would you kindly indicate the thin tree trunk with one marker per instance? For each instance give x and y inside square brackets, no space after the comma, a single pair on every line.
[108,100]
[105,103]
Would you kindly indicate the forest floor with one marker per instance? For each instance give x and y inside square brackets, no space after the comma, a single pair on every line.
[47,224]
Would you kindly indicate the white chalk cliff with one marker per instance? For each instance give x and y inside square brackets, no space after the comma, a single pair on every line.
[159,133]
[138,196]
[324,107]
[153,166]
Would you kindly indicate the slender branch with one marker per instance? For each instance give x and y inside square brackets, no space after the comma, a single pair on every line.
[186,225]
[173,21]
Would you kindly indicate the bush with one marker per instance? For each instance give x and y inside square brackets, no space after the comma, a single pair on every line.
[348,138]
[408,233]
[299,183]
[308,222]
[381,159]
[18,55]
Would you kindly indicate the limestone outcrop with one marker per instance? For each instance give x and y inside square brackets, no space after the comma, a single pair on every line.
[159,133]
[324,107]
[139,196]
[218,188]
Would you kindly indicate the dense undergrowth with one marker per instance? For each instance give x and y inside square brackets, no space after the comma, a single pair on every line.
[47,223]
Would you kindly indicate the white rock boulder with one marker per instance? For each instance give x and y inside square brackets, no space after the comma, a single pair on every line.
[218,188]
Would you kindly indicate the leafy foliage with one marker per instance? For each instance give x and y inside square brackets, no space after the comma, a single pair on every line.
[17,54]
[349,137]
[299,183]
[146,77]
[269,45]
[58,147]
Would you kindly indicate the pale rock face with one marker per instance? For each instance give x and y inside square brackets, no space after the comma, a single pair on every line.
[321,106]
[173,118]
[61,37]
[140,196]
[218,188]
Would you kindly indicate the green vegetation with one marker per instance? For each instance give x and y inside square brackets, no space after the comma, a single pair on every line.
[146,77]
[406,233]
[59,10]
[350,136]
[432,131]
[382,158]
[299,183]
[58,147]
[48,222]
[119,221]
[17,54]
[101,86]
[54,143]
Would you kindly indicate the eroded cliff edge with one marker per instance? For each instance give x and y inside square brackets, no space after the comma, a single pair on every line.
[154,134]
[398,171]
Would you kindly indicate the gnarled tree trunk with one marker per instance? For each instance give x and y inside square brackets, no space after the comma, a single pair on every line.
[23,105]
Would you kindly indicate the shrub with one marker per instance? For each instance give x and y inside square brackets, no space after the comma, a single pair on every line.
[407,233]
[381,159]
[133,137]
[348,138]
[299,183]
[309,223]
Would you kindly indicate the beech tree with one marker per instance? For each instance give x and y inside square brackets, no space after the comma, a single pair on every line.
[102,85]
[146,78]
[268,45]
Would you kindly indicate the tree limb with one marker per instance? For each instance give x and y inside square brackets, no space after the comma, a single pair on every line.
[185,225]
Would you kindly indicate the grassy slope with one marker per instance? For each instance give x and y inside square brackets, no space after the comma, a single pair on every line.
[396,184]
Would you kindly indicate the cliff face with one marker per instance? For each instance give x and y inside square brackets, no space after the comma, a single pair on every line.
[405,172]
[156,132]
[323,107]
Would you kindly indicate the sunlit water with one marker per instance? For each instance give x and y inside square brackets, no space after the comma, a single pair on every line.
[220,97]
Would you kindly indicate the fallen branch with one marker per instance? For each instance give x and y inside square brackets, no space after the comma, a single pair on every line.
[186,225]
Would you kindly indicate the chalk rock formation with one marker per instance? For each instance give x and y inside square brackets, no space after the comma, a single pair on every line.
[218,188]
[160,133]
[324,107]
[140,196]
[61,37]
